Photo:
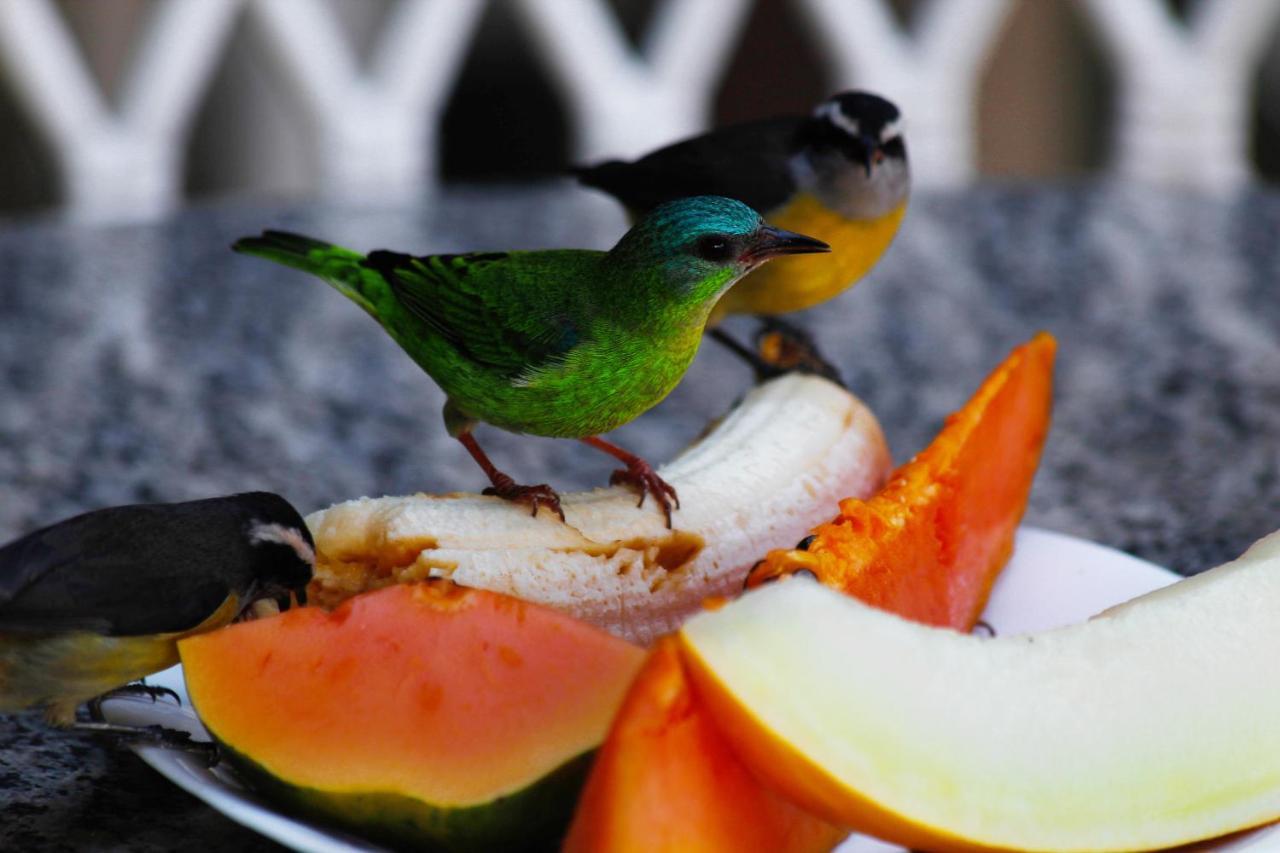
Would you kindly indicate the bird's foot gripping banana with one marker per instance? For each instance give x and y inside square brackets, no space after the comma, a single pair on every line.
[760,479]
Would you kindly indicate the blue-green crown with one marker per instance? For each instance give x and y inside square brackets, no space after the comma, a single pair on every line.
[672,227]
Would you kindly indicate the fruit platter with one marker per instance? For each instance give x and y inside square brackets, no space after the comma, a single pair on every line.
[1051,581]
[735,705]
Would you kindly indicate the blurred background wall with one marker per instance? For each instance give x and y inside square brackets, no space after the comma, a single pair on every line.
[1046,99]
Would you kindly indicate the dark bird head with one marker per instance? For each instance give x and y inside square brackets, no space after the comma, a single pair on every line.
[694,248]
[852,155]
[284,554]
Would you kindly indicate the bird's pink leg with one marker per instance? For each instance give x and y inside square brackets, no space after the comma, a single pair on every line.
[506,488]
[638,473]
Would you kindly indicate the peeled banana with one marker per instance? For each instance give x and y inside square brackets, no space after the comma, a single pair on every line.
[766,473]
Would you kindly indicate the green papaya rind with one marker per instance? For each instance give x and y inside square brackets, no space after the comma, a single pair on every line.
[532,819]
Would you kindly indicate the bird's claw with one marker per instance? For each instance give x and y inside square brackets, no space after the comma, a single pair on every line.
[134,688]
[166,737]
[535,496]
[141,688]
[785,348]
[641,475]
[154,735]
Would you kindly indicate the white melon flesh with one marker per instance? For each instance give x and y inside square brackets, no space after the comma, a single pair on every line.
[1153,725]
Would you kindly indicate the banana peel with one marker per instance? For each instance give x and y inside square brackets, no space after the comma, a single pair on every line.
[758,480]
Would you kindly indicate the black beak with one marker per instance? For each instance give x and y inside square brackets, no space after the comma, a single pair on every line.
[771,242]
[868,153]
[287,598]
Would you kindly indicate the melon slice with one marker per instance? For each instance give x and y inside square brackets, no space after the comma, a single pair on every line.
[424,714]
[1151,726]
[666,780]
[930,543]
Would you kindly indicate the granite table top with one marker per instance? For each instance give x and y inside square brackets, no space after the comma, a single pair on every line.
[148,362]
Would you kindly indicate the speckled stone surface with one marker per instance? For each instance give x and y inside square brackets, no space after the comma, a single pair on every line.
[150,363]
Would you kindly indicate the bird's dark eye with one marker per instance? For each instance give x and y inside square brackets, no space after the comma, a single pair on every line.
[714,247]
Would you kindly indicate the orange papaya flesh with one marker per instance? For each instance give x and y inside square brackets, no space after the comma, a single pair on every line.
[666,780]
[928,546]
[425,715]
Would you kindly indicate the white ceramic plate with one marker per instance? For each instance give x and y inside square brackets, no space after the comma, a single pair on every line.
[1052,580]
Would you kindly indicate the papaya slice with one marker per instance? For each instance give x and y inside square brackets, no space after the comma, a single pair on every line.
[425,715]
[666,780]
[928,546]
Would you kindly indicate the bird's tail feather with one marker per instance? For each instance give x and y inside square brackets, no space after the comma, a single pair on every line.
[341,268]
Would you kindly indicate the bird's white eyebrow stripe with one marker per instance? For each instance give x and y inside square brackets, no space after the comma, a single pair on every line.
[281,535]
[890,130]
[831,112]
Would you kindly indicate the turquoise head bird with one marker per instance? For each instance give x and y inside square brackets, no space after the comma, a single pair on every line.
[567,343]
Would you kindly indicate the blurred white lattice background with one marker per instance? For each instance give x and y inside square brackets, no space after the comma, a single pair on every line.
[123,100]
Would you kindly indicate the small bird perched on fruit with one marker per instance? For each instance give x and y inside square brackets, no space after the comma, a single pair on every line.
[99,600]
[839,173]
[566,343]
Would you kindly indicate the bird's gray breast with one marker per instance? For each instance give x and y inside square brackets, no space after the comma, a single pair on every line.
[844,186]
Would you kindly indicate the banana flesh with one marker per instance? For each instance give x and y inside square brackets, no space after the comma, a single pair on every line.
[759,479]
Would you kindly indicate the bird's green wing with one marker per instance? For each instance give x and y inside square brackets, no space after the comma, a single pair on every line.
[496,309]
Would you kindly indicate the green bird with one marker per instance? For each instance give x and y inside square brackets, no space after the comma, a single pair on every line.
[566,343]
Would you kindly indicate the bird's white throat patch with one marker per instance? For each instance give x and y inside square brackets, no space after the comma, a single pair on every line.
[281,535]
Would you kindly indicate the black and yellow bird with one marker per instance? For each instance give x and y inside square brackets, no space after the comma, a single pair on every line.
[839,174]
[99,600]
